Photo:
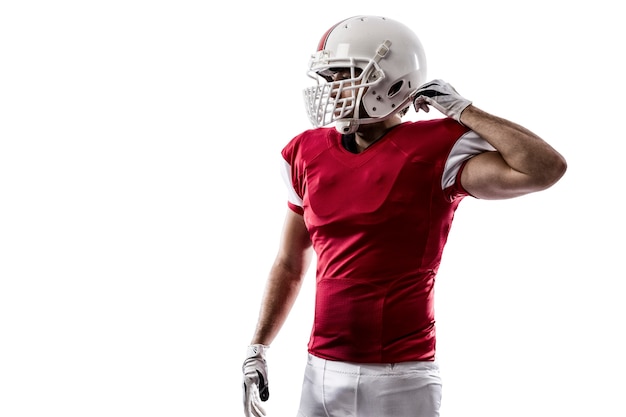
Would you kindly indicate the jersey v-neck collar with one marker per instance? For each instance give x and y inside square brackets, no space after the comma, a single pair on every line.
[352,159]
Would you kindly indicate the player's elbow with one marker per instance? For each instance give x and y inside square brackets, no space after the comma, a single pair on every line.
[552,171]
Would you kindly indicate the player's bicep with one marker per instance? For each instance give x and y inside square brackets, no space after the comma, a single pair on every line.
[488,176]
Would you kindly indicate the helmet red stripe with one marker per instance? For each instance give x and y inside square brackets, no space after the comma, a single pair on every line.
[322,45]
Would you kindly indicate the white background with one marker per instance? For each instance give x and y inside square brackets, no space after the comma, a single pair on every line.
[141,204]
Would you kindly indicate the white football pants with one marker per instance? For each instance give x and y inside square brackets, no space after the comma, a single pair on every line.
[341,389]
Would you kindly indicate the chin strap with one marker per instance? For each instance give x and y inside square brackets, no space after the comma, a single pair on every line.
[347,126]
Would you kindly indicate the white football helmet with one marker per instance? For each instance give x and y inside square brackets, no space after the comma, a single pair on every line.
[386,62]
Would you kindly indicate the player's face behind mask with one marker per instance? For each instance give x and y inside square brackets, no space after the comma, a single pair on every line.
[344,85]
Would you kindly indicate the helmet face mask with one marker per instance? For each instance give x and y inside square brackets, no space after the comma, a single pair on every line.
[386,64]
[332,99]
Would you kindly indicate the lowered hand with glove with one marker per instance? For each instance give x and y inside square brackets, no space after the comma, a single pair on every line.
[255,386]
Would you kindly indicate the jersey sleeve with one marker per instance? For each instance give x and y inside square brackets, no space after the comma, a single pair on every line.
[294,201]
[290,176]
[467,146]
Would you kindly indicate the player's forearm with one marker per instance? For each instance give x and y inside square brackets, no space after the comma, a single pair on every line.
[522,150]
[281,291]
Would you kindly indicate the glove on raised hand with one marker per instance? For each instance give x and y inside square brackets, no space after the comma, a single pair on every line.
[441,96]
[255,386]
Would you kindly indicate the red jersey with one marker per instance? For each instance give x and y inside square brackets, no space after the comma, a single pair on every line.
[378,221]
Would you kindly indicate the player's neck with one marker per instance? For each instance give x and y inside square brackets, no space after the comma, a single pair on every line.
[367,135]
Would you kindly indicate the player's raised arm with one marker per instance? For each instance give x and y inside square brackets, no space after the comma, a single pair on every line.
[522,163]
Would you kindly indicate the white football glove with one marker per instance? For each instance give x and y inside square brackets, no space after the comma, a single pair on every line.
[255,387]
[441,96]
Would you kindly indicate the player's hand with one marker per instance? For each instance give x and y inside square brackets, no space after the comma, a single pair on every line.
[442,96]
[255,386]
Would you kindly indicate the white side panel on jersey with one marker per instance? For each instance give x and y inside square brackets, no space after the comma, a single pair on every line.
[468,145]
[292,196]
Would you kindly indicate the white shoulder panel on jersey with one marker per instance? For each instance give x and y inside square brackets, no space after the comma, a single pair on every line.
[468,145]
[292,196]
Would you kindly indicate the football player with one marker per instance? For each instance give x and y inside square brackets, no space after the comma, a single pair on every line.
[373,198]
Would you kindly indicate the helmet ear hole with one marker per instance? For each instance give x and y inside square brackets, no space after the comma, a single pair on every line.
[394,89]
